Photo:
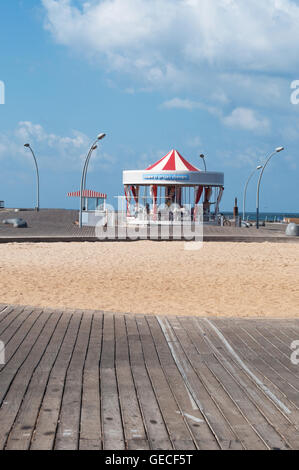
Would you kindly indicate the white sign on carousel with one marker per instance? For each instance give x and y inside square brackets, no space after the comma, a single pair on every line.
[188,178]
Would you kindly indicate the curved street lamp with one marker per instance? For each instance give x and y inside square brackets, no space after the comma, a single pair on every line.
[84,173]
[278,150]
[87,164]
[37,175]
[246,186]
[204,161]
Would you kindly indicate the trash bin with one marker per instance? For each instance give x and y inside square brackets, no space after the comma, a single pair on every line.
[292,230]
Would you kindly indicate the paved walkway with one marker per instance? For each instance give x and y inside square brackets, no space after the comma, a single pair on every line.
[59,225]
[91,380]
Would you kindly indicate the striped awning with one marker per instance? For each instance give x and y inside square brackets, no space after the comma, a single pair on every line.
[88,193]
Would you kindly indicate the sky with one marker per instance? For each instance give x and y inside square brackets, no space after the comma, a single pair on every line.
[200,76]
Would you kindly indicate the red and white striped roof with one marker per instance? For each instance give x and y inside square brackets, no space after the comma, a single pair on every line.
[173,161]
[89,194]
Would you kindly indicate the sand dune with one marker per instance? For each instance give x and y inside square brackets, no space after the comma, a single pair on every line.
[222,279]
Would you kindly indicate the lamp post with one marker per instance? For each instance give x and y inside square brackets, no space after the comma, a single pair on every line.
[84,174]
[278,150]
[87,163]
[246,186]
[204,161]
[37,175]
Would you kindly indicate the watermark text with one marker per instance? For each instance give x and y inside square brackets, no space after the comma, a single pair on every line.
[158,222]
[2,353]
[295,94]
[2,92]
[295,354]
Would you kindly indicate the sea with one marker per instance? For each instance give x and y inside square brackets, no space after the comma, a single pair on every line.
[267,216]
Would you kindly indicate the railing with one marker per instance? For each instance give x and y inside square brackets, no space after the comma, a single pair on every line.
[161,215]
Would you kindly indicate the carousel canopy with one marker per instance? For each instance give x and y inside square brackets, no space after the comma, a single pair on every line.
[173,161]
[171,170]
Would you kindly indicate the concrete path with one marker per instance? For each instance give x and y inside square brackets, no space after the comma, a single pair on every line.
[60,226]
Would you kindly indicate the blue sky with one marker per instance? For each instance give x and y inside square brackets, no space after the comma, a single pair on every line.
[195,75]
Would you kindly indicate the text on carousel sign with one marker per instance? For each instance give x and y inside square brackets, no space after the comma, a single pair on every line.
[167,177]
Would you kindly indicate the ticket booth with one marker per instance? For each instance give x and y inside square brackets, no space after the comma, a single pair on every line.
[93,207]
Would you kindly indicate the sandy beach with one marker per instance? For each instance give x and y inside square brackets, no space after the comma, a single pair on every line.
[222,279]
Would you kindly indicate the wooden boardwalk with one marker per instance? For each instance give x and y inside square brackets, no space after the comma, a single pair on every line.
[91,380]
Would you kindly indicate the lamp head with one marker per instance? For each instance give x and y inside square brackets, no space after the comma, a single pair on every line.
[27,145]
[279,149]
[101,136]
[202,156]
[94,147]
[259,167]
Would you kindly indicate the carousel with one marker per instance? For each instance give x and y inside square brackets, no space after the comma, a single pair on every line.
[170,191]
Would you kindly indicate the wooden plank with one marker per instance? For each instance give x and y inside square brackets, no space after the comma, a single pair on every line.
[113,434]
[264,370]
[290,324]
[10,316]
[269,368]
[218,424]
[90,426]
[282,341]
[202,434]
[153,419]
[260,357]
[283,358]
[19,348]
[257,367]
[5,313]
[21,433]
[178,430]
[134,430]
[16,389]
[265,416]
[45,428]
[283,337]
[67,437]
[192,343]
[16,332]
[278,361]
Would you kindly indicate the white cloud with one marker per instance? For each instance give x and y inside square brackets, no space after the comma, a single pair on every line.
[160,38]
[26,130]
[223,53]
[220,97]
[178,103]
[189,105]
[240,118]
[54,151]
[195,142]
[292,162]
[244,157]
[247,119]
